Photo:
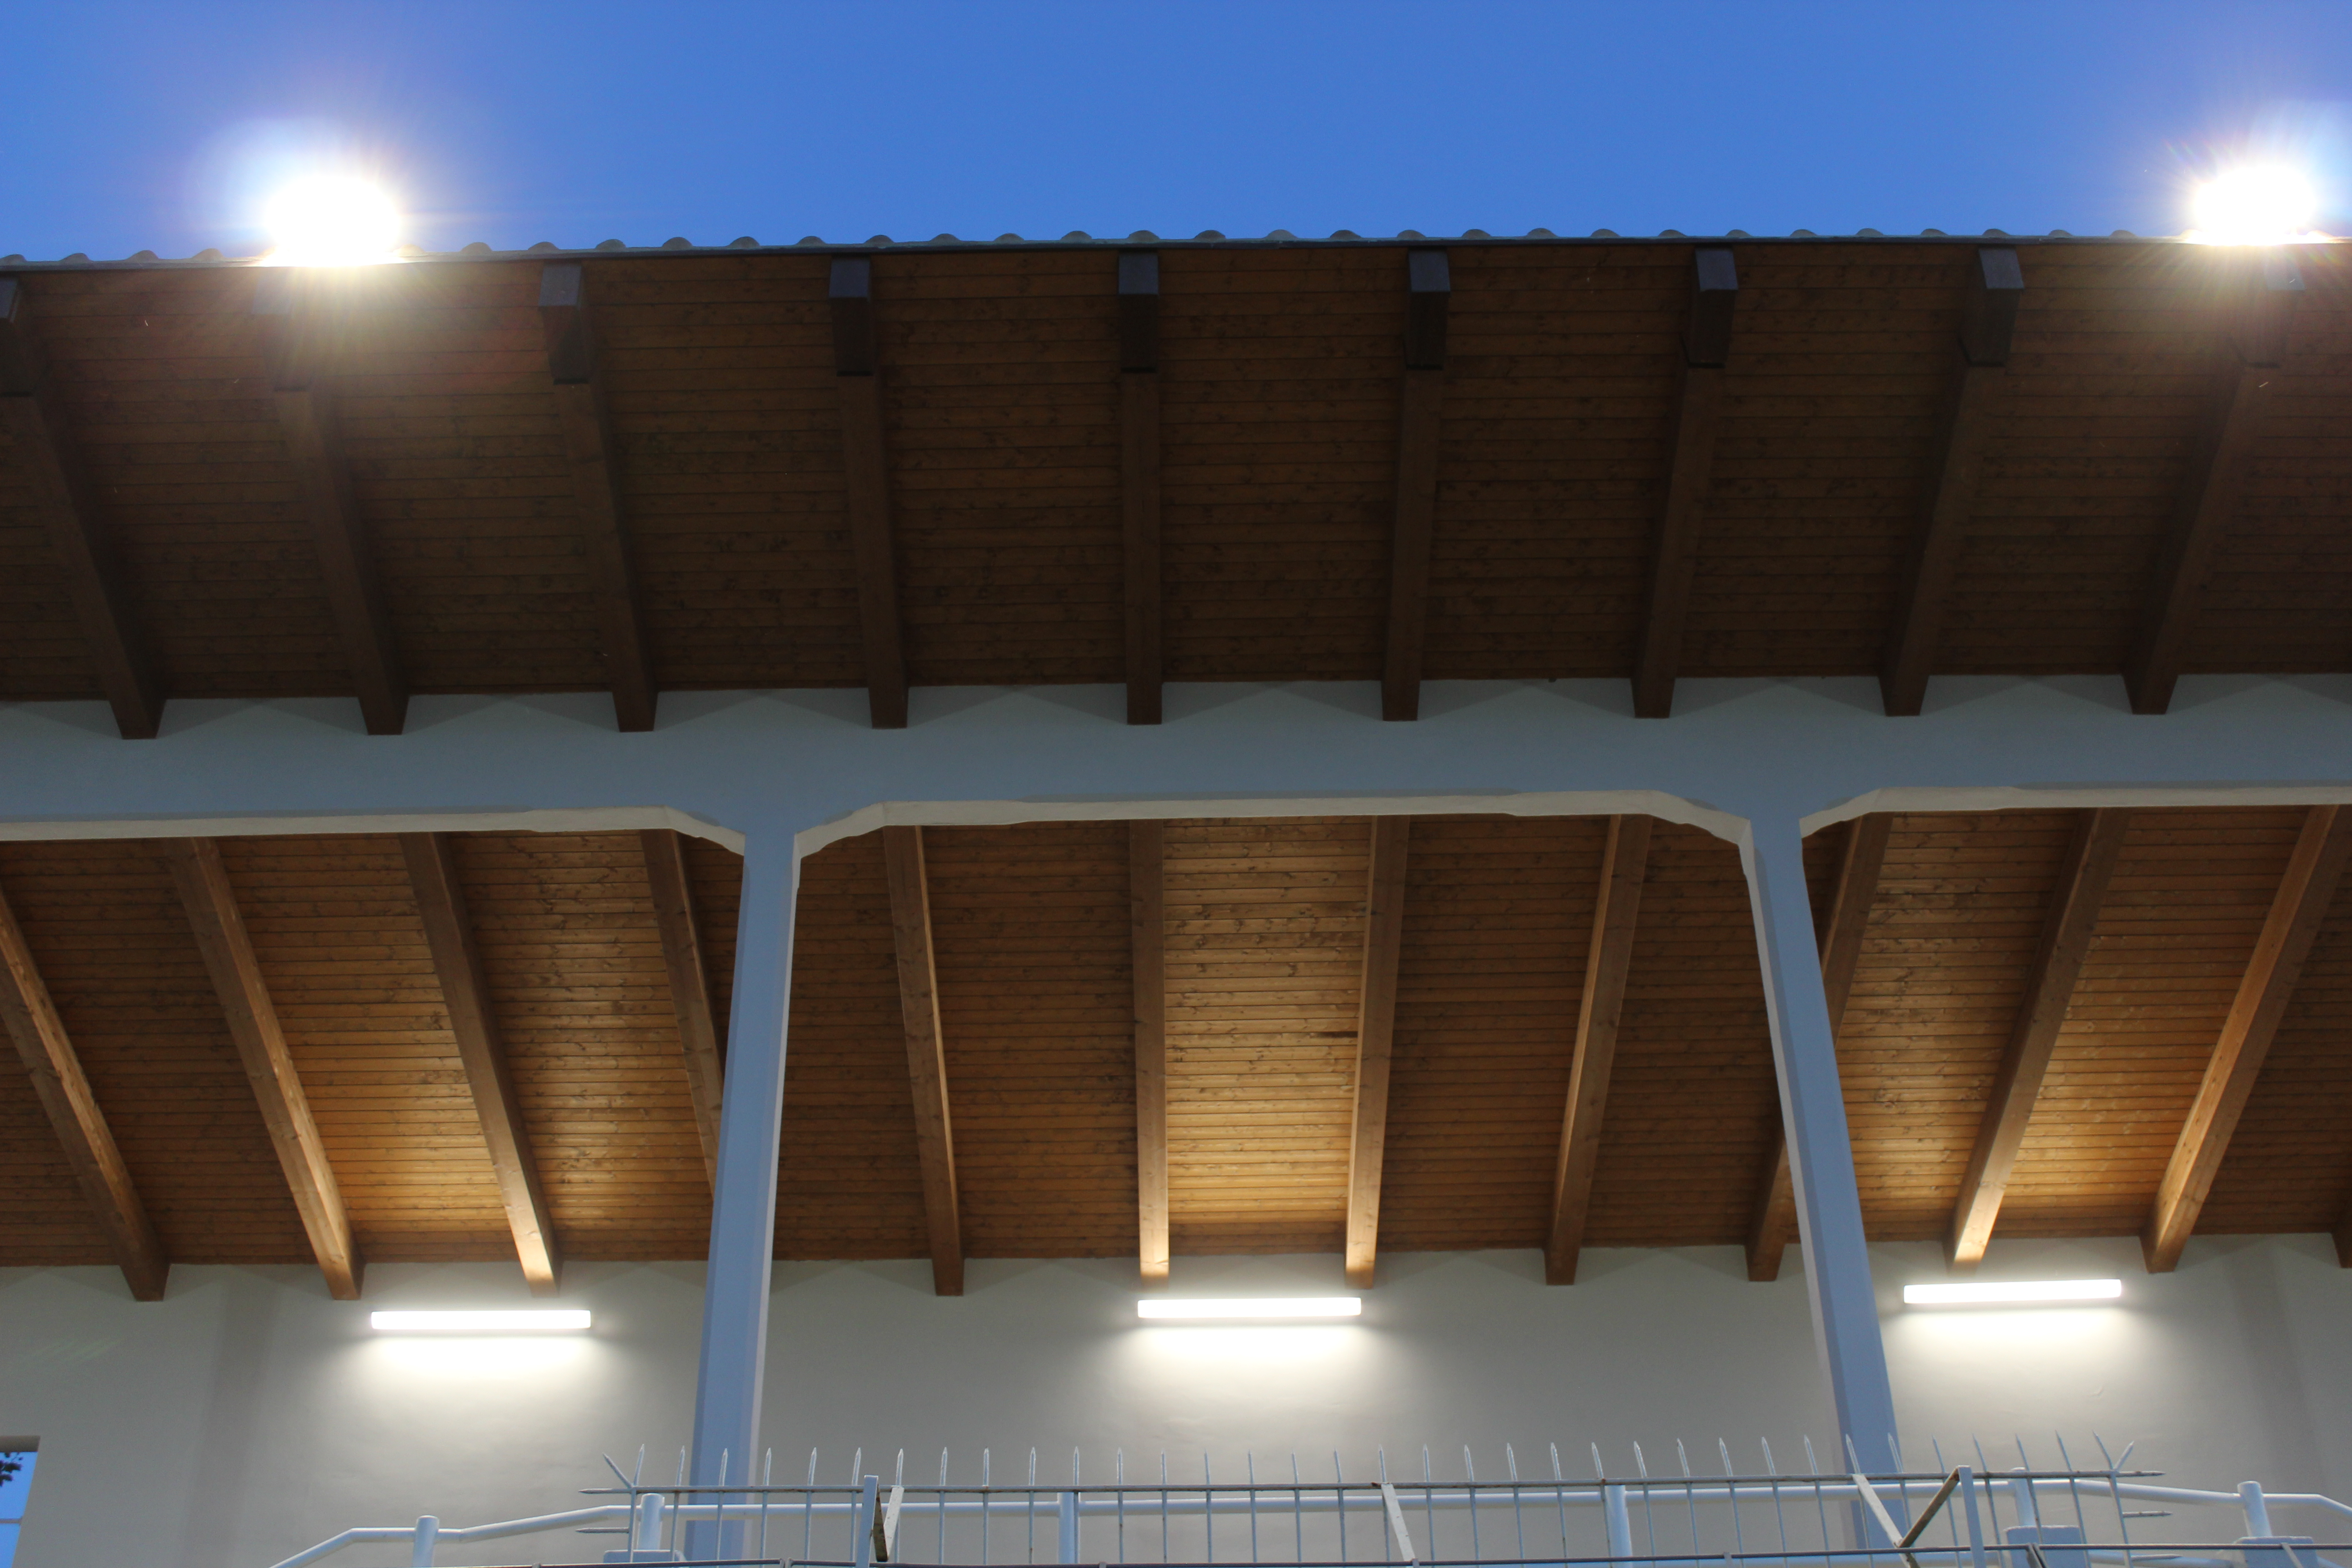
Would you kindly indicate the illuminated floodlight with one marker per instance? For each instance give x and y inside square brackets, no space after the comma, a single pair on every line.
[332,221]
[544,1320]
[1209,1308]
[2011,1293]
[2260,205]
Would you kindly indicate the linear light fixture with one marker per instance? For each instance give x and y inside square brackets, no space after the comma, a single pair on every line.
[545,1320]
[1201,1307]
[2011,1293]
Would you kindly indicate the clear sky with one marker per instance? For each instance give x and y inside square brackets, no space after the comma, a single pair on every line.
[132,127]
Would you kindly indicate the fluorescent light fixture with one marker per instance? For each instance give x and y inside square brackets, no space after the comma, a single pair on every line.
[547,1320]
[1205,1308]
[2011,1293]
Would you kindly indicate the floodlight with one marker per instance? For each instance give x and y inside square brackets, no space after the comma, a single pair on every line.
[2011,1293]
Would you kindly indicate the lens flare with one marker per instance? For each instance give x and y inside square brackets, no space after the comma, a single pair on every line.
[332,221]
[2263,205]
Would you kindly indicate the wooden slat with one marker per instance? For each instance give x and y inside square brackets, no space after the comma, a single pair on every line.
[48,1055]
[1774,1222]
[2066,930]
[1988,326]
[1375,1036]
[1139,474]
[927,1071]
[589,448]
[465,995]
[219,927]
[1421,405]
[1673,552]
[1609,958]
[689,982]
[66,504]
[2295,913]
[292,310]
[1147,906]
[865,478]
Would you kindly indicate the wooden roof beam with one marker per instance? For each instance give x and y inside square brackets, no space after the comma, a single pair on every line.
[288,302]
[48,1055]
[1988,300]
[927,1062]
[1147,909]
[1772,1222]
[2072,916]
[1607,959]
[1139,478]
[1375,1036]
[2215,476]
[866,478]
[465,995]
[590,448]
[1429,293]
[689,984]
[66,504]
[1673,551]
[2296,912]
[219,927]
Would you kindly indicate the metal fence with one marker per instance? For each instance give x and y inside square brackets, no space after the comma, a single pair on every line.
[1658,1512]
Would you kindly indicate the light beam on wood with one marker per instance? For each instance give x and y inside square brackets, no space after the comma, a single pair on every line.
[589,448]
[62,498]
[689,982]
[1608,958]
[1139,471]
[1674,554]
[1429,292]
[295,323]
[1375,1035]
[1147,905]
[212,914]
[865,477]
[2066,930]
[465,995]
[927,1065]
[2296,915]
[1990,296]
[1772,1222]
[48,1053]
[2214,480]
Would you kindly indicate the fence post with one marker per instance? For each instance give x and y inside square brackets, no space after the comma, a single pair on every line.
[428,1532]
[1969,1507]
[2258,1512]
[863,1522]
[1619,1521]
[1067,1509]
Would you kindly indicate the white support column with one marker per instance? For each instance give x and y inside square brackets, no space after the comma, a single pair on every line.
[1821,1160]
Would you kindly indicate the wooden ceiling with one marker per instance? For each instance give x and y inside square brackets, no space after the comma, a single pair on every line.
[1009,465]
[1368,1035]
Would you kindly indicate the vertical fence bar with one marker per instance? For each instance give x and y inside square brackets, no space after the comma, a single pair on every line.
[420,1549]
[1340,1501]
[862,1520]
[1969,1507]
[1065,1509]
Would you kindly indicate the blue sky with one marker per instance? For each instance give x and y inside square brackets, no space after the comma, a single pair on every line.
[131,127]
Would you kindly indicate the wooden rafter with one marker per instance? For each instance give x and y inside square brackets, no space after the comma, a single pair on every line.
[1147,904]
[689,982]
[295,323]
[927,1063]
[866,478]
[1429,292]
[1673,552]
[48,1055]
[2066,929]
[1988,304]
[1139,471]
[465,995]
[1772,1222]
[210,900]
[1608,958]
[1375,1035]
[2297,911]
[590,448]
[66,503]
[2212,483]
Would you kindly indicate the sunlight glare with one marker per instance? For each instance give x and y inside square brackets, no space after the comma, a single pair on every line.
[332,221]
[2260,205]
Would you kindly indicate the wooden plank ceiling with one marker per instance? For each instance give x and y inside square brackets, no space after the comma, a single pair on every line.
[502,1045]
[1007,465]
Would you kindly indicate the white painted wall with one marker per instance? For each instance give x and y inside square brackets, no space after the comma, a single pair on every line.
[248,1415]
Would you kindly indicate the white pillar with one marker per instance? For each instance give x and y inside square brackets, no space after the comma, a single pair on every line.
[1821,1160]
